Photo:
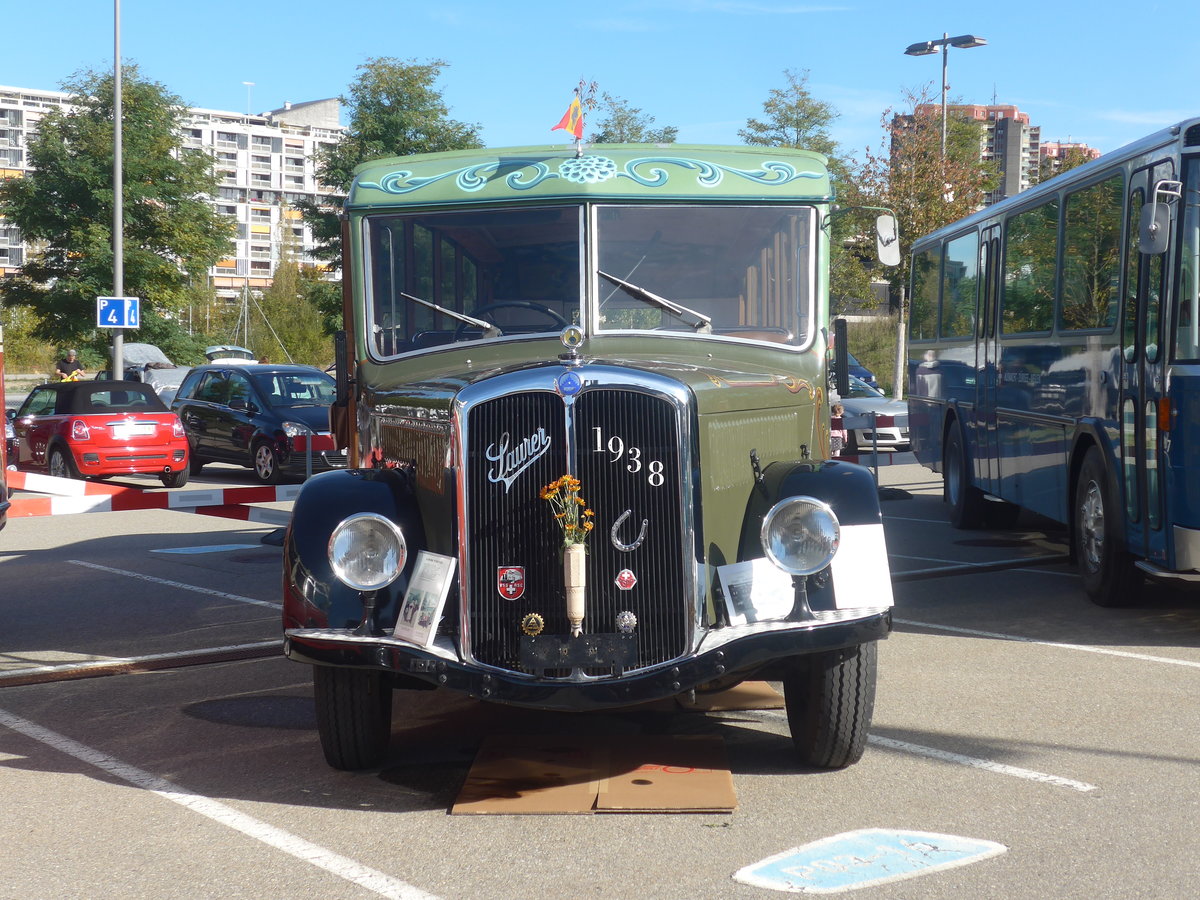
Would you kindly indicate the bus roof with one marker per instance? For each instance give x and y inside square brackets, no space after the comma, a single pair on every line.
[1189,129]
[603,171]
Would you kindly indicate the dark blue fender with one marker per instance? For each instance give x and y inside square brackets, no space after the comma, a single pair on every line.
[312,596]
[848,488]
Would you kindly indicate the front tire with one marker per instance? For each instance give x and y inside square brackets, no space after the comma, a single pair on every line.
[830,698]
[354,716]
[1107,570]
[267,467]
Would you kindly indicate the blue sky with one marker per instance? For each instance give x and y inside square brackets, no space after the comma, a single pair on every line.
[1081,71]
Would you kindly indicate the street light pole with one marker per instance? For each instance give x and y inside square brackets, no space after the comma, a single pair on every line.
[945,42]
[118,356]
[926,48]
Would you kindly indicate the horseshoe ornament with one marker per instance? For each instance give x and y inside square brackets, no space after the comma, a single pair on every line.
[616,541]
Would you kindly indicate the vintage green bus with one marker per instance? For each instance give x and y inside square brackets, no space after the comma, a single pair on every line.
[622,350]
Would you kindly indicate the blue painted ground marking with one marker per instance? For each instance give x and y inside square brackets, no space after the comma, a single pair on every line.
[864,858]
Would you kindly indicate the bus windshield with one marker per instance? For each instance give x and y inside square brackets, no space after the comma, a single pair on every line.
[436,278]
[743,271]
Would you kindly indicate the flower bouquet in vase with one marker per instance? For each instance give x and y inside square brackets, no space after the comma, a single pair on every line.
[575,520]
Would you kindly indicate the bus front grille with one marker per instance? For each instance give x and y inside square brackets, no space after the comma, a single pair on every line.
[624,446]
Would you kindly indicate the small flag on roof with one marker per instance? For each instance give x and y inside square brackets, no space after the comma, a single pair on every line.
[572,120]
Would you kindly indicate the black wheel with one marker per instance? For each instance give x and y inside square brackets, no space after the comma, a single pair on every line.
[965,500]
[195,464]
[1109,575]
[175,479]
[266,464]
[830,698]
[354,716]
[60,465]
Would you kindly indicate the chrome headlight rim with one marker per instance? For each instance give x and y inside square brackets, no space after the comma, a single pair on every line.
[337,558]
[818,507]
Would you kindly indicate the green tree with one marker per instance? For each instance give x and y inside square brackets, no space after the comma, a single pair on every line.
[1048,167]
[625,124]
[909,175]
[291,328]
[64,208]
[793,117]
[926,189]
[395,109]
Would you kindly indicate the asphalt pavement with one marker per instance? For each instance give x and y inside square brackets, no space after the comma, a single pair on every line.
[1056,738]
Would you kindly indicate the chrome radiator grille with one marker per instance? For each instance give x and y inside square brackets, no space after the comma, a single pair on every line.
[624,446]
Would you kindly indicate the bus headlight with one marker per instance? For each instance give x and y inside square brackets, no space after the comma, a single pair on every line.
[367,551]
[800,535]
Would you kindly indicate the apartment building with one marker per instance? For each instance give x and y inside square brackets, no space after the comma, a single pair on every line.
[1008,140]
[264,162]
[1056,153]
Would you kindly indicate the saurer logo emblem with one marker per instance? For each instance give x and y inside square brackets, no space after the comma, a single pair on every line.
[513,459]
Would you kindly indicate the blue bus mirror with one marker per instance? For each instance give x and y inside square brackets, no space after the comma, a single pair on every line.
[887,240]
[1153,228]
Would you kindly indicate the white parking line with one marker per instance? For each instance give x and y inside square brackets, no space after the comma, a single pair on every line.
[1085,648]
[306,851]
[974,762]
[176,584]
[113,662]
[977,763]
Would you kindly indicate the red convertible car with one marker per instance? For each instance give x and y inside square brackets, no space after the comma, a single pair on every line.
[93,429]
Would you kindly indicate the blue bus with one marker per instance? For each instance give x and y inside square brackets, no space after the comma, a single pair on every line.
[1054,362]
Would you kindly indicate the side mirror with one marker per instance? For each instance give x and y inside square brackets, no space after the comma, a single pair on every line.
[237,403]
[341,369]
[841,360]
[887,240]
[1153,228]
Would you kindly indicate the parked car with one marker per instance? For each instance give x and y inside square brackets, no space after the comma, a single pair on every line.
[266,417]
[4,457]
[93,429]
[229,353]
[860,371]
[148,364]
[859,403]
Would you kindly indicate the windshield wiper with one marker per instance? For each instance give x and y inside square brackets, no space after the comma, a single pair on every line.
[489,330]
[702,323]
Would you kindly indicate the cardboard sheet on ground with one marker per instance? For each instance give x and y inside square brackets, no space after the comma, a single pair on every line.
[546,774]
[747,695]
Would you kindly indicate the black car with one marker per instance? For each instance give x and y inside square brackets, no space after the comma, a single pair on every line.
[266,417]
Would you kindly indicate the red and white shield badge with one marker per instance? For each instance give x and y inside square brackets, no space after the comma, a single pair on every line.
[625,580]
[510,582]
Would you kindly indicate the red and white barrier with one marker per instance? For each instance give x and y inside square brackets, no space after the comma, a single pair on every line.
[70,496]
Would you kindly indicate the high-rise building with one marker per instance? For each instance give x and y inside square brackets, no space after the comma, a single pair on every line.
[264,162]
[1009,142]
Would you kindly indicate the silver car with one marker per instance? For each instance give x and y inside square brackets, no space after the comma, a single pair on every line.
[888,430]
